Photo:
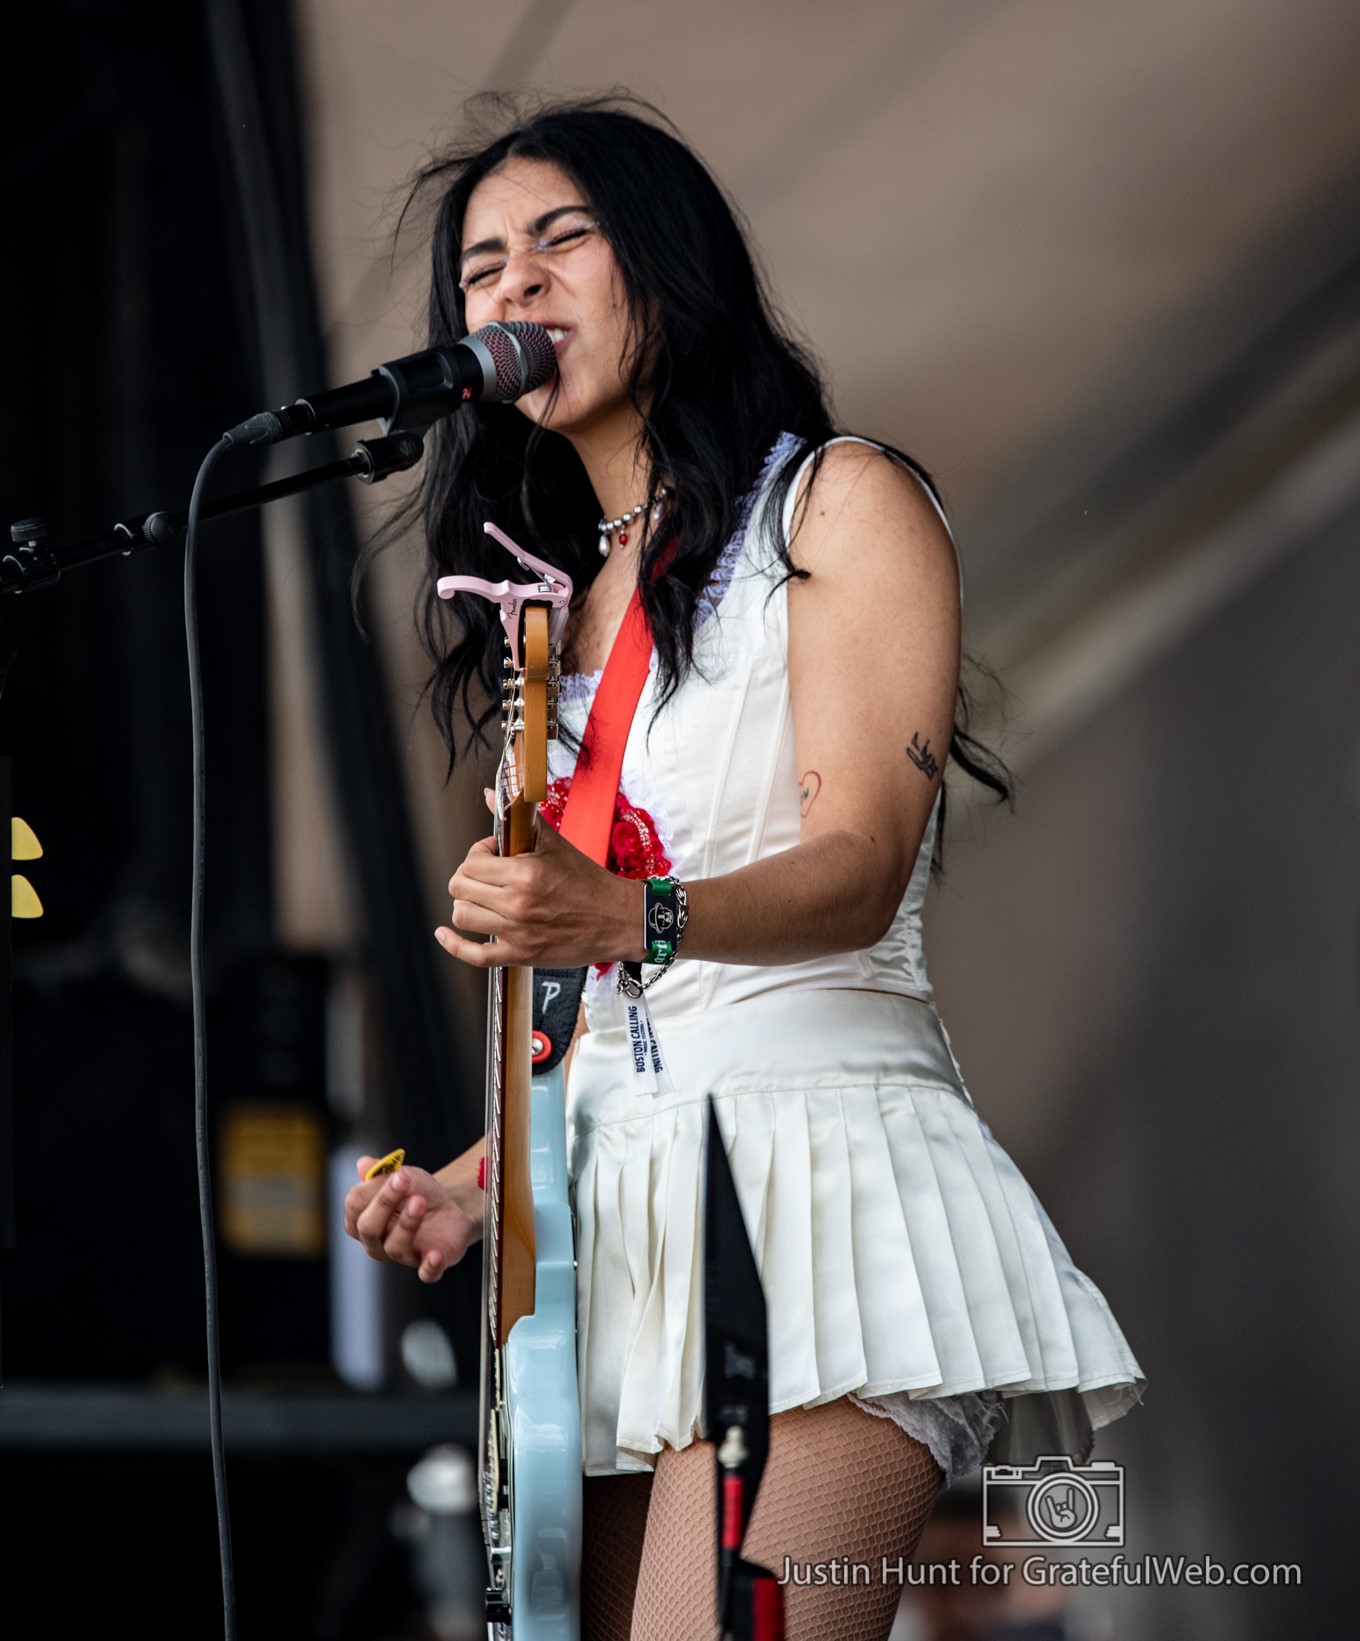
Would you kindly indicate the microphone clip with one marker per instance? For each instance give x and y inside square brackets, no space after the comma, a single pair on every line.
[394,454]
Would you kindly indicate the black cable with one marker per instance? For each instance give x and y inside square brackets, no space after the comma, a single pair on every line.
[205,1214]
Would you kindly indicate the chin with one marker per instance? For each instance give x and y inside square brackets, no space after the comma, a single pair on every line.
[563,417]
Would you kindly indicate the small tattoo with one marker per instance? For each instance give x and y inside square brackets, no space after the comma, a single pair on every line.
[808,788]
[923,758]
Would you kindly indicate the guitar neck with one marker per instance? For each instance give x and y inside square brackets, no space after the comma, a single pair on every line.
[509,1225]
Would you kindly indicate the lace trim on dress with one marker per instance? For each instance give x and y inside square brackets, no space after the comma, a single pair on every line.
[958,1430]
[580,687]
[706,605]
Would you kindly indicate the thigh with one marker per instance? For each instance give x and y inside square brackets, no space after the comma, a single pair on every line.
[842,1491]
[614,1520]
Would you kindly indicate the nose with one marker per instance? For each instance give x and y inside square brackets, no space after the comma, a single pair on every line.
[524,277]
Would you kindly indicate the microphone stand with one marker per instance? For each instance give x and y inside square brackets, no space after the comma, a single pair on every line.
[32,563]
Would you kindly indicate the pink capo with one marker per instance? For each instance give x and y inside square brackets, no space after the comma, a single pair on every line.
[552,588]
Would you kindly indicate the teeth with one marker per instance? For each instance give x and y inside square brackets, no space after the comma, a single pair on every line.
[557,335]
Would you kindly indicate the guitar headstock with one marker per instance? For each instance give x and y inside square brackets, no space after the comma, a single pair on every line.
[534,615]
[529,706]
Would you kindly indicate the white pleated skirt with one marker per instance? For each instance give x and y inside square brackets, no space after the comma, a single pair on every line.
[900,1249]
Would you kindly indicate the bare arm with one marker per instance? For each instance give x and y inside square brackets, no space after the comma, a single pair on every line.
[873,674]
[873,668]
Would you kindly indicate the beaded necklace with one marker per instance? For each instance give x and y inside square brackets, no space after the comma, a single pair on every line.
[607,527]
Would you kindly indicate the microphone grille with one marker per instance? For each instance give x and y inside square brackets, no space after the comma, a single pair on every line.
[523,355]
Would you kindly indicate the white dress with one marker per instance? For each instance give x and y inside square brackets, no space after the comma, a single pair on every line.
[905,1260]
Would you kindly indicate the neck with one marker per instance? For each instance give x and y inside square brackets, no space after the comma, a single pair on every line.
[618,467]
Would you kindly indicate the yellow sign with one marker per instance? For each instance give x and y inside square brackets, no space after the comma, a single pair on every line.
[23,898]
[23,845]
[23,840]
[272,1172]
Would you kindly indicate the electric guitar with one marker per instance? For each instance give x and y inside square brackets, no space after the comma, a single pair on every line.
[529,1454]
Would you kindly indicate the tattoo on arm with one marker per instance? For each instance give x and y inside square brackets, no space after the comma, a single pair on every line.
[808,788]
[924,759]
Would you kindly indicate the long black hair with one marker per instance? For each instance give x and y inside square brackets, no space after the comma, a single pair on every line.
[714,375]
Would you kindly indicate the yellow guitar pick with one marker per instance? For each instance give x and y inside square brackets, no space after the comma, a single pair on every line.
[387,1165]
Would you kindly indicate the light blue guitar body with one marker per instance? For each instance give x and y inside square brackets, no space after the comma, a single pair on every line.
[540,1408]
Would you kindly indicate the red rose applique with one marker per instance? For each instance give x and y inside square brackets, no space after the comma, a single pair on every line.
[634,846]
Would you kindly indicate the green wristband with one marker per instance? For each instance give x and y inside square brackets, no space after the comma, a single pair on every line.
[663,918]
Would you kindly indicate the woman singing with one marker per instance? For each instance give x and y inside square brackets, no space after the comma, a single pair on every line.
[785,764]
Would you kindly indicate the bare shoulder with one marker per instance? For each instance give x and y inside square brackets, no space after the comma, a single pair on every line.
[863,508]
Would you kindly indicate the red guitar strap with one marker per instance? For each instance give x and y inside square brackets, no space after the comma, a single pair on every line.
[588,814]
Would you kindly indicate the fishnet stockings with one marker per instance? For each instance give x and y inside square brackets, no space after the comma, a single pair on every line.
[840,1488]
[614,1522]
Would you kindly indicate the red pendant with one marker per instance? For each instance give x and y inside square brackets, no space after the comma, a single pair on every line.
[623,538]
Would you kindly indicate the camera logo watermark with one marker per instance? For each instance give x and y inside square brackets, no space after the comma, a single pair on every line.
[1064,1514]
[1053,1501]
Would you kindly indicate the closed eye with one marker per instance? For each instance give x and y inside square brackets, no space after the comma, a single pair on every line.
[564,240]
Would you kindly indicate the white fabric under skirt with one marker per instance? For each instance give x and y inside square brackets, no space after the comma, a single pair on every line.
[902,1254]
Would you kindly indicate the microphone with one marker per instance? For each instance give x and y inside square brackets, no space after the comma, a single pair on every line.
[499,362]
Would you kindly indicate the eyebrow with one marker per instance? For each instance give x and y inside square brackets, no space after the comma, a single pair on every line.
[536,228]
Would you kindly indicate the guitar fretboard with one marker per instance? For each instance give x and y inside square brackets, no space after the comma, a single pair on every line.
[495,1131]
